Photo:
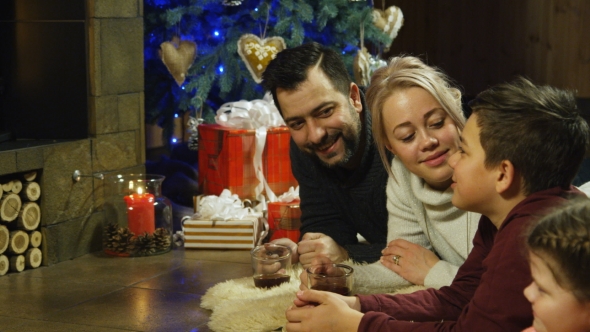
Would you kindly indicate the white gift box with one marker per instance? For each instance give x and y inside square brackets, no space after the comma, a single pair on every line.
[222,234]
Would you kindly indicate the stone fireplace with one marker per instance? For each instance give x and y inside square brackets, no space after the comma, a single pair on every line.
[71,216]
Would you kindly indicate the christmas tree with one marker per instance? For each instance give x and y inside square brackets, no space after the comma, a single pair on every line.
[218,73]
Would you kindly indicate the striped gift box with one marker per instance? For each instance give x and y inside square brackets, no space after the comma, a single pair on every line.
[220,234]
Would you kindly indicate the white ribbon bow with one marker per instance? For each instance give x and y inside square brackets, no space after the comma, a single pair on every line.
[226,206]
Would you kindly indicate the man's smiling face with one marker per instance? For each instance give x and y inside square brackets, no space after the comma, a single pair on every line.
[323,122]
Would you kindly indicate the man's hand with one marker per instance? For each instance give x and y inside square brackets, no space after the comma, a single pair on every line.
[292,245]
[413,261]
[323,311]
[313,245]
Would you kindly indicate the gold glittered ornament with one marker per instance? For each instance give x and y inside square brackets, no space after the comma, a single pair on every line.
[178,56]
[257,53]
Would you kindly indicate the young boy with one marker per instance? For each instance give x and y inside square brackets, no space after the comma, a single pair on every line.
[520,151]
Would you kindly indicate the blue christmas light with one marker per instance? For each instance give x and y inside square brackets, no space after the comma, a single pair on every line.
[174,140]
[175,115]
[220,69]
[160,3]
[216,33]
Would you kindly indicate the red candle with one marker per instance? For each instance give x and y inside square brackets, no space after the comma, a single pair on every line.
[140,212]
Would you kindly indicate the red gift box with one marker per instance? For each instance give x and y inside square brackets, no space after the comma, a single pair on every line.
[226,160]
[284,220]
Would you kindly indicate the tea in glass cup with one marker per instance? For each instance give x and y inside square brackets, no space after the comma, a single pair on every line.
[270,263]
[331,277]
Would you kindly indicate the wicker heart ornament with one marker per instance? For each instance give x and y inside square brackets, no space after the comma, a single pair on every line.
[389,21]
[257,53]
[178,56]
[364,66]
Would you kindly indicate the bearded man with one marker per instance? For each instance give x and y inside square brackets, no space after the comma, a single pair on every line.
[333,157]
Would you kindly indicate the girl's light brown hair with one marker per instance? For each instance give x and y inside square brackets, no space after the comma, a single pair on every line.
[562,239]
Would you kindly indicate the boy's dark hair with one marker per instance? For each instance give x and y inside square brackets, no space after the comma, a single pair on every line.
[290,68]
[538,128]
[562,239]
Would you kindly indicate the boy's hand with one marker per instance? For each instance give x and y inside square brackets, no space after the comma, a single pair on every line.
[323,311]
[313,245]
[414,261]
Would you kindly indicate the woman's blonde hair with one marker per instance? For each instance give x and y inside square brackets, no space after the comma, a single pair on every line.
[403,72]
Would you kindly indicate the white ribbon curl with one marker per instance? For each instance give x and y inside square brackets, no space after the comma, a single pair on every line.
[228,206]
[289,196]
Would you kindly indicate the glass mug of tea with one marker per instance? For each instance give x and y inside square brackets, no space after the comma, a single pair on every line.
[331,277]
[270,263]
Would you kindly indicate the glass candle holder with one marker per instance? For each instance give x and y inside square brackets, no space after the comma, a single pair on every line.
[138,218]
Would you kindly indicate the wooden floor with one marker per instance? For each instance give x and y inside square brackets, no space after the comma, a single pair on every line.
[100,293]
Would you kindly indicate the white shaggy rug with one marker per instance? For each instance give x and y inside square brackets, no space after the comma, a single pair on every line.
[239,306]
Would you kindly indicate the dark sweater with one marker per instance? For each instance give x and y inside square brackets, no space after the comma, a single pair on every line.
[487,293]
[341,203]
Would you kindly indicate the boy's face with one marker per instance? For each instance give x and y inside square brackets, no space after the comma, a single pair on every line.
[554,308]
[473,184]
[323,122]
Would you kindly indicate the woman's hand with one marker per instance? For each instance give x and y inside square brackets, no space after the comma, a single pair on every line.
[413,261]
[323,311]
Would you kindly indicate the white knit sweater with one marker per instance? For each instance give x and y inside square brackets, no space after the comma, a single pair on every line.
[422,215]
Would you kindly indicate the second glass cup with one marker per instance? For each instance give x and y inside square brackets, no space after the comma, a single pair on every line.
[335,278]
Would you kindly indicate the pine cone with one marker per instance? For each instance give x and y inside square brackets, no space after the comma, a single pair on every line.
[143,245]
[162,239]
[121,240]
[110,232]
[116,238]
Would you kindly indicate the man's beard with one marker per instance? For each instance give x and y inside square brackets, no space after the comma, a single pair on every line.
[351,136]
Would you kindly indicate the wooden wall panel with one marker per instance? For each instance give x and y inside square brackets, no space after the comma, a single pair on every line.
[482,43]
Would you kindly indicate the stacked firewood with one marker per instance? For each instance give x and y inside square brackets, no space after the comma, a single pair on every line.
[20,217]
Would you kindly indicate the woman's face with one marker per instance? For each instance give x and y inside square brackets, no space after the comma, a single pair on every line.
[421,134]
[554,309]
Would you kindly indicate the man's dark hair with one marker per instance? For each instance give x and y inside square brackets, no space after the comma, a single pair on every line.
[537,128]
[290,68]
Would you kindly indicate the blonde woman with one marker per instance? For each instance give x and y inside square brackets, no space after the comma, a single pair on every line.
[417,116]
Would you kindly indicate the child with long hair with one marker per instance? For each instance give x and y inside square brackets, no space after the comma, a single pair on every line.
[559,256]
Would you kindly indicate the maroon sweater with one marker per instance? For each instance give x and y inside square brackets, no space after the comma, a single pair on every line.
[487,292]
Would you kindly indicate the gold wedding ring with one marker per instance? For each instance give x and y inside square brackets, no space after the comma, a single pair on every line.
[395,259]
